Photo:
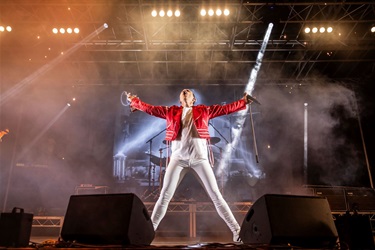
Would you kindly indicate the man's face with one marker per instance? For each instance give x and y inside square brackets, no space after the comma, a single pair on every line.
[187,98]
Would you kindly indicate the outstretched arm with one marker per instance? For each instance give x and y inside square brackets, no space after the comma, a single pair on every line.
[219,110]
[137,104]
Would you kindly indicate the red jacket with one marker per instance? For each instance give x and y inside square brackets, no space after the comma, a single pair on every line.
[201,115]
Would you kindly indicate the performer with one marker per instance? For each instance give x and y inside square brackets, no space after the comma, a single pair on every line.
[2,133]
[187,131]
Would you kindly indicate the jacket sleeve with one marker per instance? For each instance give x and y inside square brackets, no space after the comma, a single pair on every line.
[219,110]
[158,111]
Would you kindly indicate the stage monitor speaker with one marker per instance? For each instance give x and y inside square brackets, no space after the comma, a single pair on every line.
[304,221]
[15,228]
[107,219]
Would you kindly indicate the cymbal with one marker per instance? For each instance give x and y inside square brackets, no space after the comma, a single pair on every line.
[214,140]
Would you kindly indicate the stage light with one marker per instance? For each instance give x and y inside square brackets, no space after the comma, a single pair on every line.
[105,25]
[373,29]
[321,30]
[68,104]
[69,30]
[7,28]
[212,12]
[162,13]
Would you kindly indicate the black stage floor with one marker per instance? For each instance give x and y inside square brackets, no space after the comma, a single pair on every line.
[167,243]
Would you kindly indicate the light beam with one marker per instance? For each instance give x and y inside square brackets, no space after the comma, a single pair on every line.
[12,92]
[45,129]
[242,114]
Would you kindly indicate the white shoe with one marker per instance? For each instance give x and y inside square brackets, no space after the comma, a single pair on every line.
[236,236]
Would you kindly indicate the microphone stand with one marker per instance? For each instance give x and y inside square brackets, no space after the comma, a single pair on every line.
[161,166]
[253,132]
[218,132]
[150,165]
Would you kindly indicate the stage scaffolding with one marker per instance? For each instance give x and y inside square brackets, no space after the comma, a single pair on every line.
[342,200]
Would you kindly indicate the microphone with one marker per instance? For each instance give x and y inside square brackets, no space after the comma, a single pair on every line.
[249,97]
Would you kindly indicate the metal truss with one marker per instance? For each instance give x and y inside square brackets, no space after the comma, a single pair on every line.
[139,48]
[48,221]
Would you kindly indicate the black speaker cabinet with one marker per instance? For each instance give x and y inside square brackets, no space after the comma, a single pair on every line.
[287,219]
[355,231]
[107,219]
[15,228]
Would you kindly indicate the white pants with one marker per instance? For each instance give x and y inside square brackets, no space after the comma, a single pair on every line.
[175,172]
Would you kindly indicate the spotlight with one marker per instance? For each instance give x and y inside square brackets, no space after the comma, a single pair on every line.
[105,25]
[177,13]
[307,30]
[203,12]
[218,12]
[211,12]
[373,29]
[62,30]
[55,31]
[76,30]
[226,12]
[322,29]
[154,13]
[169,13]
[329,29]
[7,28]
[314,30]
[69,30]
[68,104]
[161,13]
